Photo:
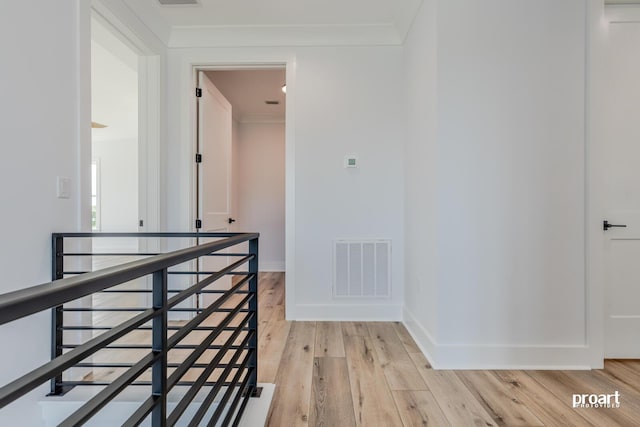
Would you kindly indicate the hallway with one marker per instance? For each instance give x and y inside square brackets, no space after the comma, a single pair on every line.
[373,374]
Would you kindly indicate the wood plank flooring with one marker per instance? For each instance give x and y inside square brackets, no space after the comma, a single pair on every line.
[341,374]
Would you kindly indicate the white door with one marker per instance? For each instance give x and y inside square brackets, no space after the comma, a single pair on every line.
[214,177]
[215,124]
[622,172]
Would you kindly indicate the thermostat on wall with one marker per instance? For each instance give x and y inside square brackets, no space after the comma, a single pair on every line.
[351,161]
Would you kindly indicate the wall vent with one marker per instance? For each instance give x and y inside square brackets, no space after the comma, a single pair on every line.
[178,2]
[362,268]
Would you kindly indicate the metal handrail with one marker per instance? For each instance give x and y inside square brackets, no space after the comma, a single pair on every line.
[53,295]
[24,302]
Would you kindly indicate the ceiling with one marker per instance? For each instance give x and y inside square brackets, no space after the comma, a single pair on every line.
[249,22]
[247,91]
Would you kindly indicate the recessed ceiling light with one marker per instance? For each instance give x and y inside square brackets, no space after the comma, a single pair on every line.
[178,2]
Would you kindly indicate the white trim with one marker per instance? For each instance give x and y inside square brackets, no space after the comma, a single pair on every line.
[472,357]
[129,24]
[96,161]
[188,67]
[622,13]
[290,190]
[149,174]
[149,113]
[496,357]
[55,409]
[284,35]
[348,312]
[82,30]
[426,343]
[272,267]
[594,194]
[257,409]
[83,115]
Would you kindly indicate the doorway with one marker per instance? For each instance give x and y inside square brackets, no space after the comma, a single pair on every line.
[125,146]
[240,182]
[114,139]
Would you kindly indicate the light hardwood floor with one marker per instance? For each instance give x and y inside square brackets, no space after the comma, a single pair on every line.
[340,374]
[372,374]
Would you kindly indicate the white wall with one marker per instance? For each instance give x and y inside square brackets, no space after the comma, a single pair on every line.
[510,204]
[420,66]
[339,101]
[40,109]
[114,103]
[260,189]
[118,184]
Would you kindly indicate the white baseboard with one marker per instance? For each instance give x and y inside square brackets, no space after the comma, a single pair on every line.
[348,312]
[496,357]
[257,409]
[57,408]
[420,335]
[269,267]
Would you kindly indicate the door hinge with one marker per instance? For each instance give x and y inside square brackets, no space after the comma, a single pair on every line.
[198,158]
[198,224]
[198,92]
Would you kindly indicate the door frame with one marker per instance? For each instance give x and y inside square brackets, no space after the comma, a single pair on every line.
[593,180]
[254,63]
[150,78]
[601,18]
[149,116]
[197,172]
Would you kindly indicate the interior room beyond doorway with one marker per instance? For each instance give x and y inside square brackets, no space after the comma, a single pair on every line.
[257,100]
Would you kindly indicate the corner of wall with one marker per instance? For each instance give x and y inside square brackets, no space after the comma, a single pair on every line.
[421,336]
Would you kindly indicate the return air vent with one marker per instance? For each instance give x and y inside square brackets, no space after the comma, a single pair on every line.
[178,2]
[362,268]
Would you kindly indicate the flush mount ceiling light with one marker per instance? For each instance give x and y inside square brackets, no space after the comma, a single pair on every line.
[284,88]
[178,2]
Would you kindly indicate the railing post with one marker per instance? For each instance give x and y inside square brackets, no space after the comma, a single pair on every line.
[57,315]
[253,323]
[159,345]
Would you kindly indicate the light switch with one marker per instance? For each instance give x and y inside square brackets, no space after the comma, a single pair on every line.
[351,161]
[63,188]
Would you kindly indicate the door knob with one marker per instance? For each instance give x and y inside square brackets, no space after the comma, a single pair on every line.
[231,220]
[606,225]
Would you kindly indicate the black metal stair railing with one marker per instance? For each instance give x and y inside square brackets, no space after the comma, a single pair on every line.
[216,338]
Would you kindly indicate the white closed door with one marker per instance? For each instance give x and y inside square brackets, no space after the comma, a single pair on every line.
[214,171]
[622,185]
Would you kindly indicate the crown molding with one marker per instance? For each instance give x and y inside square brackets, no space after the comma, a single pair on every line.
[292,35]
[148,33]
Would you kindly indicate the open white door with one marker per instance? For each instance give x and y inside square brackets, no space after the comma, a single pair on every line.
[215,123]
[214,176]
[622,171]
